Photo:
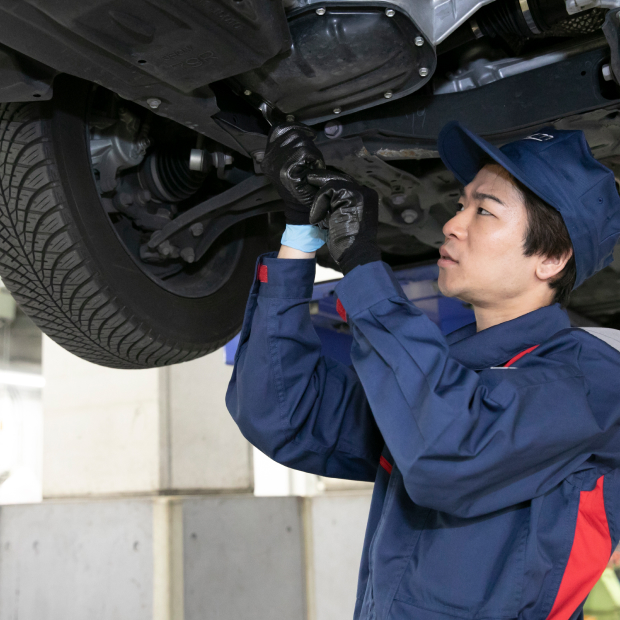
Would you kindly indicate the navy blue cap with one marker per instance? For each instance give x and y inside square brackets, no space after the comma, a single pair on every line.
[557,166]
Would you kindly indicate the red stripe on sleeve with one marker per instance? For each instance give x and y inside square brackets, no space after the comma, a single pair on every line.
[385,464]
[589,554]
[341,311]
[517,357]
[262,273]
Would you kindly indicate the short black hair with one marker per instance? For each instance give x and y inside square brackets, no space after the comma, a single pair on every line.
[546,235]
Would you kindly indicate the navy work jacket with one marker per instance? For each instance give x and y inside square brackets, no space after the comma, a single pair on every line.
[497,490]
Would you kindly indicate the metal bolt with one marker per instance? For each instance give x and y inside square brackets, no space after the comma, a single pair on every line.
[419,41]
[143,144]
[398,199]
[143,196]
[423,72]
[290,118]
[187,254]
[125,198]
[333,129]
[165,248]
[608,76]
[221,160]
[259,156]
[320,11]
[337,110]
[196,159]
[388,95]
[247,93]
[107,185]
[154,103]
[390,12]
[197,229]
[409,216]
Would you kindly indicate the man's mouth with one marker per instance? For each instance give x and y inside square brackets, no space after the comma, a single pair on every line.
[446,259]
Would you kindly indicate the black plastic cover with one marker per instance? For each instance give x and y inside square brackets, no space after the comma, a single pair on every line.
[348,58]
[23,79]
[169,50]
[185,43]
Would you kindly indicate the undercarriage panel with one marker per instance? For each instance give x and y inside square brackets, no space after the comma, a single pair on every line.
[162,54]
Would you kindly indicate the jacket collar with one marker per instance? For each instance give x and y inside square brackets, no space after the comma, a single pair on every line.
[497,345]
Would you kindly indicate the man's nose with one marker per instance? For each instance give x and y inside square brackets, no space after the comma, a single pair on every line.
[456,226]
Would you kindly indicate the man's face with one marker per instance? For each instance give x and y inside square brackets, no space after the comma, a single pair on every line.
[482,257]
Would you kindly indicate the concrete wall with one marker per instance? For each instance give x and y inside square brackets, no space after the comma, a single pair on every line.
[244,558]
[207,451]
[76,560]
[118,536]
[182,558]
[111,432]
[338,527]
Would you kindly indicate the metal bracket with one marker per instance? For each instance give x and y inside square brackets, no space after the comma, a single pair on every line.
[437,19]
[190,235]
[570,86]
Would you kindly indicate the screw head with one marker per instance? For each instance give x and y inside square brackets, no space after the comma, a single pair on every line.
[247,93]
[143,196]
[187,254]
[165,248]
[107,185]
[388,95]
[419,41]
[337,110]
[197,229]
[390,12]
[333,129]
[290,118]
[320,11]
[153,103]
[423,71]
[409,216]
[126,199]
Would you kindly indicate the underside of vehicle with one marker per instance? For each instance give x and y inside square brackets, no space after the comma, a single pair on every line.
[133,204]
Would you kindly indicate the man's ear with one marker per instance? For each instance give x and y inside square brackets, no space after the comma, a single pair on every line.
[547,268]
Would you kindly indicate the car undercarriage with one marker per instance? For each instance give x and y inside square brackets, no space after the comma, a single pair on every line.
[133,200]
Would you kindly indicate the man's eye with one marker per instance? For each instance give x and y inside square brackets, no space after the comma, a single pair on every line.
[459,207]
[482,211]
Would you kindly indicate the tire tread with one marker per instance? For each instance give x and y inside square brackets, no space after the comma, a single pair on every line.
[48,269]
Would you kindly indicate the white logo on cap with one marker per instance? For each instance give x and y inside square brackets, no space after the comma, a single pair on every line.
[540,137]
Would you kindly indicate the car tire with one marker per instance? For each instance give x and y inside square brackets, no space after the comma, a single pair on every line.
[66,266]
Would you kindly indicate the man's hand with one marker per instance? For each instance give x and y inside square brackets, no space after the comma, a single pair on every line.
[290,155]
[351,213]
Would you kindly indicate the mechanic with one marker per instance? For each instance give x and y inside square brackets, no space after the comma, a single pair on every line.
[495,451]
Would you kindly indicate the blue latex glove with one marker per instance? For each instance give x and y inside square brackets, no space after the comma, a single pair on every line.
[304,237]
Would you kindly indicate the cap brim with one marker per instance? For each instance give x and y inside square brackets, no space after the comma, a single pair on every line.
[463,153]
